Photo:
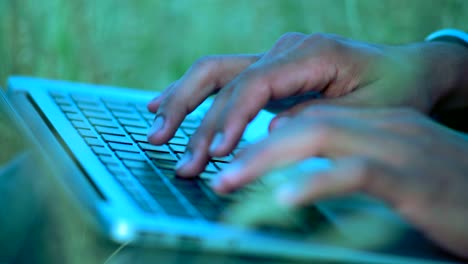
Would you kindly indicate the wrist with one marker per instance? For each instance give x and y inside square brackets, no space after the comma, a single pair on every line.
[444,72]
[457,95]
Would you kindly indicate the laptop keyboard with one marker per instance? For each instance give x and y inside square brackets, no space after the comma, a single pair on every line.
[116,132]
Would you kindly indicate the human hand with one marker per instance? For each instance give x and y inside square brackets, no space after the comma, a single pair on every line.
[343,71]
[400,156]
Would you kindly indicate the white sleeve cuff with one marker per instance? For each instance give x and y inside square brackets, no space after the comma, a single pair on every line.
[449,35]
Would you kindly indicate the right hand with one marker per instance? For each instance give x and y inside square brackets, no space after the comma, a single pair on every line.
[344,71]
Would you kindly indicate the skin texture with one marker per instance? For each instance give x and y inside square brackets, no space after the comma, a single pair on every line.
[375,149]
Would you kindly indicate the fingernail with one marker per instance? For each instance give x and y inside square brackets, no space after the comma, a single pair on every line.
[217,141]
[281,121]
[158,124]
[228,175]
[184,160]
[286,194]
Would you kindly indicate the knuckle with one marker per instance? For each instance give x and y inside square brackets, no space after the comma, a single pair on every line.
[323,41]
[207,63]
[318,37]
[256,77]
[323,131]
[290,36]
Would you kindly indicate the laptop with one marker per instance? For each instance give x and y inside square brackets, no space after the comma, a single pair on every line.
[94,137]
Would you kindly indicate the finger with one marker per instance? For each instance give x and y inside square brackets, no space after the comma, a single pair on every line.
[254,88]
[348,174]
[308,136]
[345,176]
[153,105]
[300,138]
[195,157]
[201,80]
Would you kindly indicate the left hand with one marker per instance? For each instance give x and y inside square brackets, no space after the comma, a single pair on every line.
[400,156]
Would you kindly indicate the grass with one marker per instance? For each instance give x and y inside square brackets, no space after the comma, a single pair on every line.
[148,44]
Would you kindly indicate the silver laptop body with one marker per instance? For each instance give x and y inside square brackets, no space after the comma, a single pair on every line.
[116,202]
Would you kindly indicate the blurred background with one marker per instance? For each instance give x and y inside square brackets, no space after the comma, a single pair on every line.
[149,43]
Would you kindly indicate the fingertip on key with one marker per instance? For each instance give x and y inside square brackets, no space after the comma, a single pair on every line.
[226,179]
[156,128]
[217,142]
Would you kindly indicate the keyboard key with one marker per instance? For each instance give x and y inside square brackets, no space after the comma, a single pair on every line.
[132,164]
[132,122]
[116,170]
[211,168]
[97,114]
[139,138]
[119,107]
[144,175]
[109,130]
[94,141]
[101,150]
[87,133]
[130,156]
[57,95]
[179,141]
[164,163]
[189,131]
[69,109]
[177,148]
[148,116]
[75,116]
[113,100]
[115,138]
[91,107]
[142,108]
[136,130]
[123,147]
[126,115]
[160,155]
[190,125]
[147,146]
[63,101]
[179,134]
[108,160]
[80,124]
[103,122]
